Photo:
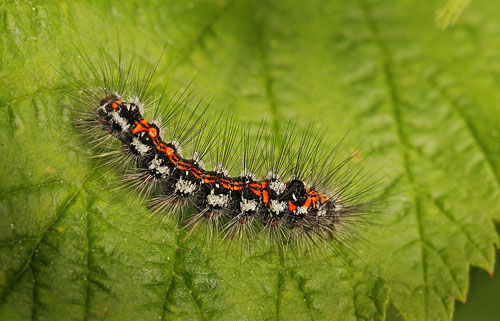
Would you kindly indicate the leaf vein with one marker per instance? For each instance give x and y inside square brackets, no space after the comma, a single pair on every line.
[403,140]
[470,127]
[27,265]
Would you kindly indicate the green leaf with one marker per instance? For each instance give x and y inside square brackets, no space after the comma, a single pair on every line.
[423,101]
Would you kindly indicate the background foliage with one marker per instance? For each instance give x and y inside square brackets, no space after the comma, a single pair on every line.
[423,100]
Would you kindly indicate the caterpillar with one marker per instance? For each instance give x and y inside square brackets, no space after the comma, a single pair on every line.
[295,193]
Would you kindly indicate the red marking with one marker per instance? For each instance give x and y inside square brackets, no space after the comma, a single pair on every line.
[152,132]
[208,180]
[243,220]
[265,197]
[162,148]
[255,185]
[197,171]
[183,166]
[209,214]
[194,173]
[116,104]
[169,151]
[234,186]
[140,126]
[292,207]
[255,191]
[260,190]
[312,199]
[237,188]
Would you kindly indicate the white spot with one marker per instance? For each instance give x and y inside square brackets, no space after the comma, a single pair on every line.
[218,200]
[120,121]
[277,207]
[198,161]
[157,122]
[177,146]
[301,210]
[140,147]
[185,187]
[248,175]
[134,101]
[248,205]
[156,164]
[103,107]
[272,175]
[277,186]
[175,143]
[219,169]
[321,213]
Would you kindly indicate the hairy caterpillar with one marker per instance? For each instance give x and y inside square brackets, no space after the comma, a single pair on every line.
[295,193]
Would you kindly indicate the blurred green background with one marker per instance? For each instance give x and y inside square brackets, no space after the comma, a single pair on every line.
[482,302]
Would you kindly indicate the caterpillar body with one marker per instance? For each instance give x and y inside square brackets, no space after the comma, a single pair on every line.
[305,196]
